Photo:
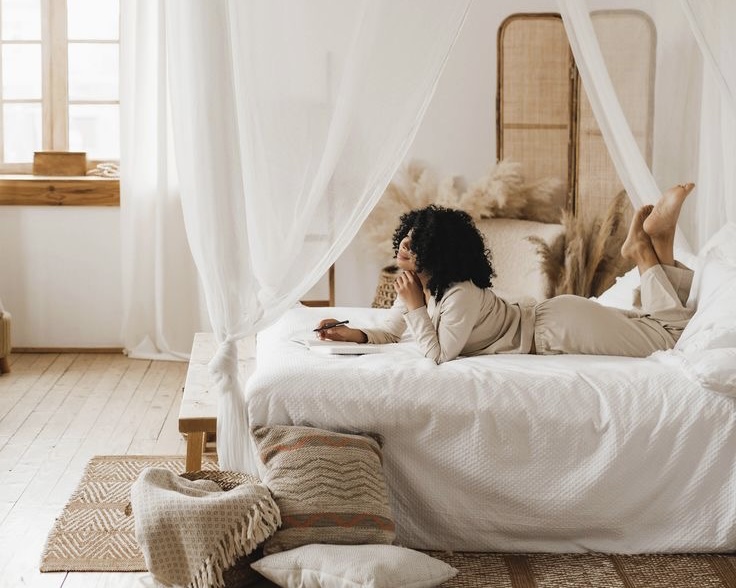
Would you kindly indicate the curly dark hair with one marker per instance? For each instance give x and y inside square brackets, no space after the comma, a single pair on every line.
[448,247]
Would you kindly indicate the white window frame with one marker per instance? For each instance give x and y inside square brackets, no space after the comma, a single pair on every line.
[54,85]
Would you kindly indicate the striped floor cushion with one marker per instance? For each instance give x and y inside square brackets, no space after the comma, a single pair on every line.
[329,487]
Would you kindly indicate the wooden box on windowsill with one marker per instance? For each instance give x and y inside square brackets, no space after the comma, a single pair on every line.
[59,163]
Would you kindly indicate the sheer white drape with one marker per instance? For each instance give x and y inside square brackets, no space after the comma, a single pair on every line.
[694,109]
[711,22]
[160,286]
[290,118]
[628,159]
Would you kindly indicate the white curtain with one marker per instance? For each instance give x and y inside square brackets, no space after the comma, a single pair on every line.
[161,299]
[627,158]
[290,118]
[712,22]
[694,109]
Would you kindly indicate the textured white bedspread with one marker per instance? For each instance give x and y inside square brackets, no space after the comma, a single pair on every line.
[519,453]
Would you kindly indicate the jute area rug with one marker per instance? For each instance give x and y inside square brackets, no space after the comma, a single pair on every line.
[95,533]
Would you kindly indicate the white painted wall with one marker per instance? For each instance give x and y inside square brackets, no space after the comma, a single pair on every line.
[60,268]
[60,275]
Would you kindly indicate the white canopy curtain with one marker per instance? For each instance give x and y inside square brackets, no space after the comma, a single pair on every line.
[290,118]
[694,109]
[711,22]
[161,300]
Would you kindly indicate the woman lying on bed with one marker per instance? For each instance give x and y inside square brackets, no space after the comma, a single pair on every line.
[444,294]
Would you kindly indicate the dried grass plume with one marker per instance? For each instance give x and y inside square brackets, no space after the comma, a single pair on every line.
[585,259]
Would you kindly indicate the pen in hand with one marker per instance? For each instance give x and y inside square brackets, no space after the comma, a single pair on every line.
[330,325]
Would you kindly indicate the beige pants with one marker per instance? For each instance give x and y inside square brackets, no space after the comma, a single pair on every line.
[573,324]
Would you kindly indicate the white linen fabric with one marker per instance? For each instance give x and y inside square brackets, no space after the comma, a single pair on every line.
[709,22]
[622,294]
[161,294]
[714,323]
[712,368]
[353,566]
[519,453]
[706,350]
[289,121]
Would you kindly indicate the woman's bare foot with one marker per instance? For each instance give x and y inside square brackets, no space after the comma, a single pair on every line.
[638,246]
[660,225]
[663,219]
[637,239]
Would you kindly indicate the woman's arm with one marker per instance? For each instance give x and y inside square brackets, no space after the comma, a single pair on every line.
[392,328]
[458,313]
[390,331]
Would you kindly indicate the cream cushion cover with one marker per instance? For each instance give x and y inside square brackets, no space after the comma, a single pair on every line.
[519,275]
[353,566]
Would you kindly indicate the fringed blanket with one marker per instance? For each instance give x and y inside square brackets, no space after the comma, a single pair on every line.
[190,532]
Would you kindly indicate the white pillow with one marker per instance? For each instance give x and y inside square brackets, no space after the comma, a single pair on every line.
[714,369]
[339,566]
[722,245]
[713,325]
[621,294]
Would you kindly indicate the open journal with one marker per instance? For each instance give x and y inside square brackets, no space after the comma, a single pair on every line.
[338,347]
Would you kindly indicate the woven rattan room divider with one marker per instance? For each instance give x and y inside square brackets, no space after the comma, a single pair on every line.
[544,118]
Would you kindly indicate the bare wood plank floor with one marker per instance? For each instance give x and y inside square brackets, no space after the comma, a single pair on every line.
[56,412]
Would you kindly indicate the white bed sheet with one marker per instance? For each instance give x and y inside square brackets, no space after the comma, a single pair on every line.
[519,453]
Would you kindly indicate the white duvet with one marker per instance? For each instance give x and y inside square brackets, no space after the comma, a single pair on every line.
[519,453]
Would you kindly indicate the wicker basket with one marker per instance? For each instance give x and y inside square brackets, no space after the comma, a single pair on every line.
[385,293]
[5,346]
[227,480]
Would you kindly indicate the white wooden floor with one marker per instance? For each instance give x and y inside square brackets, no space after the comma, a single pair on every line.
[56,412]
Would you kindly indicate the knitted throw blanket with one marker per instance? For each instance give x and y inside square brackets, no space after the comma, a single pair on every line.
[190,532]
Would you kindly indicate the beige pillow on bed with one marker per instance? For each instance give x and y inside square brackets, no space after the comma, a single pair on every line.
[329,486]
[519,275]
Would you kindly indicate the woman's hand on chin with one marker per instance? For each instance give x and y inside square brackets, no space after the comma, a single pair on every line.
[409,288]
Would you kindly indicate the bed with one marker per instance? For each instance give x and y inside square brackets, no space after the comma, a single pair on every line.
[528,453]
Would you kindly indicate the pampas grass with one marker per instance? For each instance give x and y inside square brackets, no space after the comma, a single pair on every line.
[586,259]
[501,192]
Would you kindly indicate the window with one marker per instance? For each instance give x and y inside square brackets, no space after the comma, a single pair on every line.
[59,71]
[544,118]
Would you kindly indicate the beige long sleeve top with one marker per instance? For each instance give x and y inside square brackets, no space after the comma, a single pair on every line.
[467,321]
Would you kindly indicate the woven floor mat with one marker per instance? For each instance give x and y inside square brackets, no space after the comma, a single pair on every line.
[95,532]
[563,570]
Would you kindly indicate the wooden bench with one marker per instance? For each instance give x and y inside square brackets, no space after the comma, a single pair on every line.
[198,411]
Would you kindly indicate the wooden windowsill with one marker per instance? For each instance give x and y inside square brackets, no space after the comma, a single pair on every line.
[29,190]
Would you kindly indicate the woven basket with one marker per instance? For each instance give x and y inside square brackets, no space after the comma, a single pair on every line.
[227,480]
[5,346]
[385,293]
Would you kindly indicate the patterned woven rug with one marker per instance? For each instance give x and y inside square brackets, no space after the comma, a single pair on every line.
[95,533]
